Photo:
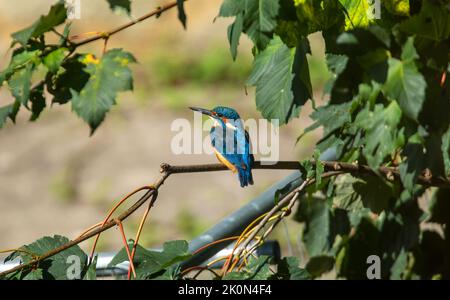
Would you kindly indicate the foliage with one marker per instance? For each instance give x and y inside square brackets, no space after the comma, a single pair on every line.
[156,264]
[388,105]
[55,267]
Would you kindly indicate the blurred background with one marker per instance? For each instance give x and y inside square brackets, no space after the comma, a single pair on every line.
[56,179]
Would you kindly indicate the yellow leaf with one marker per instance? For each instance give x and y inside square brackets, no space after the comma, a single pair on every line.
[397,7]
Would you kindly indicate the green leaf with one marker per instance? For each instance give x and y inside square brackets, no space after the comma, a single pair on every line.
[173,252]
[332,117]
[37,100]
[354,194]
[108,76]
[5,112]
[399,231]
[34,275]
[21,58]
[375,63]
[316,215]
[433,22]
[357,13]
[374,193]
[71,77]
[414,164]
[91,272]
[288,269]
[55,267]
[282,81]
[345,195]
[364,242]
[256,269]
[20,84]
[54,59]
[317,265]
[405,83]
[152,263]
[117,5]
[445,147]
[122,255]
[65,35]
[171,273]
[292,184]
[382,136]
[336,63]
[181,12]
[235,276]
[312,15]
[234,33]
[423,151]
[57,15]
[307,169]
[399,266]
[258,19]
[231,8]
[397,7]
[319,168]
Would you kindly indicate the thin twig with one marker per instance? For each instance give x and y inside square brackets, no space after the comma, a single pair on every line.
[91,256]
[138,235]
[104,35]
[125,244]
[288,201]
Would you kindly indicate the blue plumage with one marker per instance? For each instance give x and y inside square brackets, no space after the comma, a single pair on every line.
[231,142]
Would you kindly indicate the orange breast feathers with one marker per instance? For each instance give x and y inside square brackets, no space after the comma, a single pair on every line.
[224,161]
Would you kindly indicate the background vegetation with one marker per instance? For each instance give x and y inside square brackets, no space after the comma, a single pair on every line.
[387,107]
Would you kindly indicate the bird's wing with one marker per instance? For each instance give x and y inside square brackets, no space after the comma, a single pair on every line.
[232,145]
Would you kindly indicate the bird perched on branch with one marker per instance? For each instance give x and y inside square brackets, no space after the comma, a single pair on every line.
[230,141]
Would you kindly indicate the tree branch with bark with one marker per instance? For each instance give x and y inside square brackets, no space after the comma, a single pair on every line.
[332,168]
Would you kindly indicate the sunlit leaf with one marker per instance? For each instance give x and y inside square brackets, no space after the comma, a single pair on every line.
[282,81]
[357,13]
[108,76]
[405,83]
[56,16]
[54,59]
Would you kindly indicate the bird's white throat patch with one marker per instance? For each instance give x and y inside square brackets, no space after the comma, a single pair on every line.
[228,124]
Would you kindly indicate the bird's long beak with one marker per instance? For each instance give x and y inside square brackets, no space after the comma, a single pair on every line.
[202,110]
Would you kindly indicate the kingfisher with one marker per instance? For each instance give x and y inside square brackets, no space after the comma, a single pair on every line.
[230,141]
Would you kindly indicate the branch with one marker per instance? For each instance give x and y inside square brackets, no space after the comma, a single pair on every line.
[105,35]
[333,168]
[355,169]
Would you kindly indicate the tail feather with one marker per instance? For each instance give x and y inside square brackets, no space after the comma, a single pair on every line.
[245,176]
